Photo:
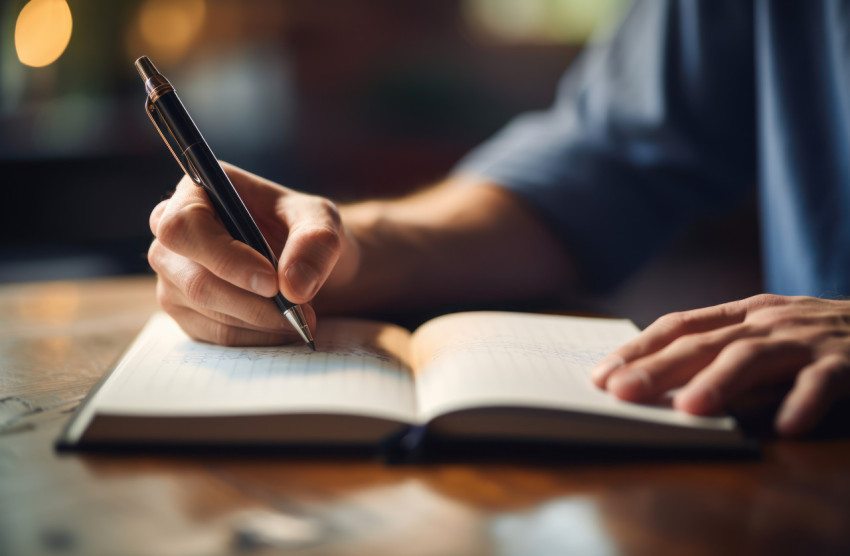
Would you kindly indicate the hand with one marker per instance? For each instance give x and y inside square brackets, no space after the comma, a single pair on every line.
[216,287]
[719,353]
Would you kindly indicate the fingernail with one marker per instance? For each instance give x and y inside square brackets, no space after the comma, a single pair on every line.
[264,284]
[634,383]
[604,368]
[303,279]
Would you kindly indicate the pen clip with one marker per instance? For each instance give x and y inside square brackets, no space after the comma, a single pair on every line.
[171,142]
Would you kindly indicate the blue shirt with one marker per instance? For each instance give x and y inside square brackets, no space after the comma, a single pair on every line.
[676,117]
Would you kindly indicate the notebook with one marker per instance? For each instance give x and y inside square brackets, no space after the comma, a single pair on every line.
[464,377]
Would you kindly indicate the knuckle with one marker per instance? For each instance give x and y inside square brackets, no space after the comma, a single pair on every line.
[155,256]
[153,223]
[669,320]
[326,239]
[764,300]
[172,228]
[771,317]
[223,263]
[260,313]
[694,343]
[328,208]
[223,334]
[324,243]
[745,348]
[196,288]
[156,215]
[679,322]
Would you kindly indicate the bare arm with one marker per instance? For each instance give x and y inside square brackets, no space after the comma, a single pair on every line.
[464,240]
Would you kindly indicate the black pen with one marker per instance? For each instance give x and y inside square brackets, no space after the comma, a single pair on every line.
[186,143]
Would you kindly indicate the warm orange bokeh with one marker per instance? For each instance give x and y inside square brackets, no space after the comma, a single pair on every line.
[167,28]
[42,32]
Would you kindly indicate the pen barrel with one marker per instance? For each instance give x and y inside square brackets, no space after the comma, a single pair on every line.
[227,203]
[178,122]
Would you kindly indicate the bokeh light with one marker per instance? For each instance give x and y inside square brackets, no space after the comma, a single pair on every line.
[168,28]
[42,32]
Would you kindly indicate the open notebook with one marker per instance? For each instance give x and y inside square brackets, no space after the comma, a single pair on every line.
[479,375]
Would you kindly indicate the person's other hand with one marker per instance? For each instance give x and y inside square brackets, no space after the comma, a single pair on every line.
[217,288]
[719,353]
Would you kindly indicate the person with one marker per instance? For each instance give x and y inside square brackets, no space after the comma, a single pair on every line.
[678,115]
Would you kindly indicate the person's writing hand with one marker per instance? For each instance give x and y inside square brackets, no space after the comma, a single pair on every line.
[216,287]
[718,353]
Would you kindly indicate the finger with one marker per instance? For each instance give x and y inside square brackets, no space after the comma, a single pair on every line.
[312,247]
[194,286]
[156,215]
[214,327]
[171,299]
[201,328]
[674,325]
[649,377]
[817,387]
[188,226]
[665,330]
[739,367]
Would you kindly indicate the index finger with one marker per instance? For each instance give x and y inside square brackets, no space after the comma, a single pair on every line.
[189,227]
[666,329]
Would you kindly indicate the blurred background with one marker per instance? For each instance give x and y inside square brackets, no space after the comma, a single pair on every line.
[344,98]
[347,98]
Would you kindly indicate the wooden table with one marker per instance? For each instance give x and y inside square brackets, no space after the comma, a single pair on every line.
[56,340]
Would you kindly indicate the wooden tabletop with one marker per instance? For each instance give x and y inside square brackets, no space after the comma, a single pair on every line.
[58,338]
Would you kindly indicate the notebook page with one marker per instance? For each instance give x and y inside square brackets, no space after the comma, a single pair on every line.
[485,359]
[359,368]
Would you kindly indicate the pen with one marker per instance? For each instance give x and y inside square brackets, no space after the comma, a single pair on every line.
[186,143]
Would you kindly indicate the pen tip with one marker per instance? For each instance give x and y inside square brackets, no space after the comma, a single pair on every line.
[312,345]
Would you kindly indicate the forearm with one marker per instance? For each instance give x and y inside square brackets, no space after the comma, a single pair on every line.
[454,242]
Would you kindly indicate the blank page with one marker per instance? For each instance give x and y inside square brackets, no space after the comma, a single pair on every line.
[497,359]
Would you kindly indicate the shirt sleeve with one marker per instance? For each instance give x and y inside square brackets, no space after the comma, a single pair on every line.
[650,130]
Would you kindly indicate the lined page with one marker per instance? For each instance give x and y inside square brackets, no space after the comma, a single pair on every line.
[486,359]
[360,368]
